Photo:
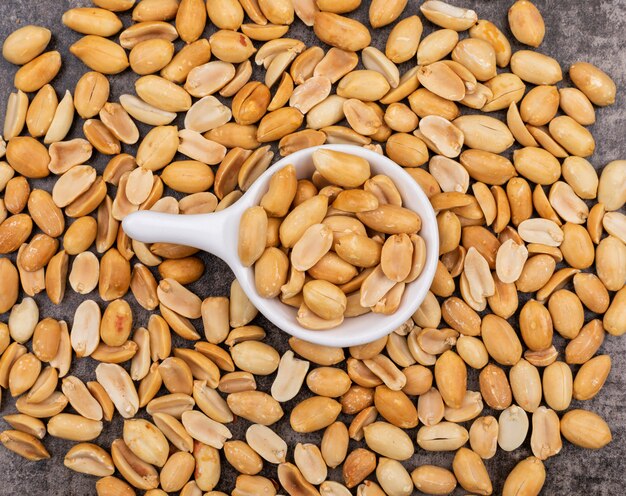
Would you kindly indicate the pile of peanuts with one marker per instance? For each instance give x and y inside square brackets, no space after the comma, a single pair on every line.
[532,241]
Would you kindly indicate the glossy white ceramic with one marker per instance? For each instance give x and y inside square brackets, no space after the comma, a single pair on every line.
[217,233]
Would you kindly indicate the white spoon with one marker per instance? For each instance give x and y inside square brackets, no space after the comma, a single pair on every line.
[217,233]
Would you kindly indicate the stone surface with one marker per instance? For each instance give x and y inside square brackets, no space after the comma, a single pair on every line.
[576,30]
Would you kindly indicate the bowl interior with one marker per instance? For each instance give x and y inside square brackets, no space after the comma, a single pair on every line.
[371,326]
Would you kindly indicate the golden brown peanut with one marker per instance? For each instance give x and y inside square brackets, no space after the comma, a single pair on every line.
[528,476]
[609,269]
[610,191]
[495,388]
[341,32]
[575,138]
[401,118]
[270,264]
[99,22]
[278,12]
[448,16]
[535,326]
[539,106]
[255,357]
[91,93]
[388,440]
[391,219]
[567,313]
[505,89]
[28,157]
[501,341]
[247,484]
[16,195]
[383,13]
[162,94]
[526,385]
[478,56]
[581,176]
[252,235]
[314,414]
[150,56]
[250,103]
[493,169]
[311,465]
[442,80]
[278,124]
[242,457]
[15,118]
[536,165]
[26,43]
[585,429]
[114,5]
[225,14]
[583,347]
[484,133]
[9,282]
[451,378]
[110,485]
[358,465]
[38,72]
[486,30]
[147,30]
[395,407]
[591,377]
[535,67]
[190,19]
[357,399]
[46,339]
[460,316]
[231,46]
[407,150]
[23,374]
[100,54]
[593,82]
[324,299]
[89,459]
[24,444]
[436,46]
[13,232]
[299,140]
[114,275]
[66,154]
[40,112]
[155,10]
[27,424]
[613,320]
[403,40]
[557,385]
[577,247]
[431,479]
[255,406]
[470,472]
[526,23]
[576,104]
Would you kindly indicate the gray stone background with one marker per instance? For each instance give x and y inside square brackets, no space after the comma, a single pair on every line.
[576,30]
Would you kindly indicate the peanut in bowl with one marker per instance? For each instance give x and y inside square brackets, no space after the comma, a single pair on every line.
[263,271]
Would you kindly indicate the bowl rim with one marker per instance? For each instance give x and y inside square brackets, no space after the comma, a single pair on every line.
[379,325]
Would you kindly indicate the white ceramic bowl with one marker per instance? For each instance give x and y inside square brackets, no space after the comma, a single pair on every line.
[217,233]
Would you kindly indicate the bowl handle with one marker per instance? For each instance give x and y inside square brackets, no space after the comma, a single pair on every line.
[215,233]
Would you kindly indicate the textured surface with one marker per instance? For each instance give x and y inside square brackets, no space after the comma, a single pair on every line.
[576,30]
